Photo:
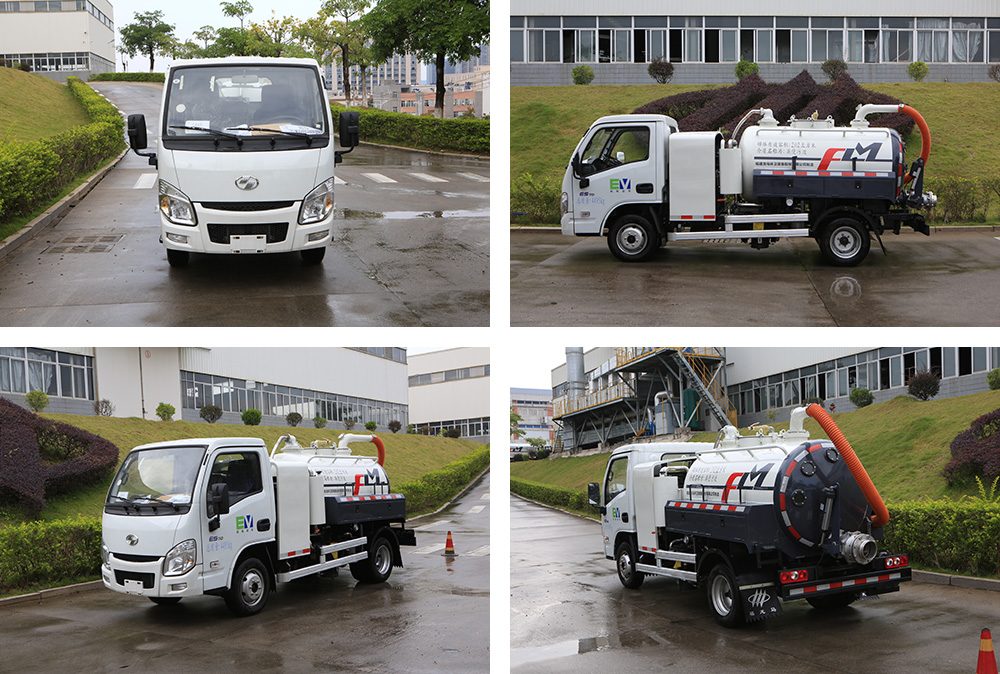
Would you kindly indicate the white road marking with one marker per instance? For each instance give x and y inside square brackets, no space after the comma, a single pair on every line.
[485,497]
[339,181]
[378,177]
[145,181]
[433,525]
[428,178]
[476,177]
[428,549]
[476,509]
[481,551]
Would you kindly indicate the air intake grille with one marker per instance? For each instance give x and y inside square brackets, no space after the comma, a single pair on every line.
[275,232]
[245,205]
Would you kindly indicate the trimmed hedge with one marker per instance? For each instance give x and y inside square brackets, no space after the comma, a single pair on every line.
[559,497]
[960,535]
[126,77]
[470,136]
[430,491]
[49,552]
[30,173]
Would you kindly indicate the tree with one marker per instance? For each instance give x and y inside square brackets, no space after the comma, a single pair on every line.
[251,417]
[917,70]
[206,34]
[342,19]
[661,70]
[744,68]
[349,423]
[317,37]
[431,29]
[237,10]
[104,408]
[36,401]
[395,425]
[319,422]
[293,419]
[515,430]
[371,426]
[861,397]
[923,385]
[210,413]
[583,74]
[834,68]
[274,36]
[165,411]
[149,34]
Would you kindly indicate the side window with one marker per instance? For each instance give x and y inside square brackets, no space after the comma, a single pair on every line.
[240,471]
[615,146]
[617,479]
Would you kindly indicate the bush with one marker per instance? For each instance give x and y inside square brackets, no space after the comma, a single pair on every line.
[572,499]
[993,379]
[994,72]
[917,71]
[49,552]
[583,74]
[126,77]
[319,422]
[975,451]
[453,433]
[471,136]
[411,429]
[834,68]
[959,199]
[543,453]
[42,458]
[961,535]
[370,426]
[861,397]
[251,417]
[924,385]
[36,401]
[165,411]
[210,413]
[534,200]
[434,489]
[293,419]
[349,423]
[661,70]
[104,408]
[394,425]
[744,68]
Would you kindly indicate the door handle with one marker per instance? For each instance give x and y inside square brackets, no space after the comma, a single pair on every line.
[264,525]
[644,188]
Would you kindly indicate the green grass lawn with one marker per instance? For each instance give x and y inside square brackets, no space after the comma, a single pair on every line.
[34,106]
[406,456]
[903,444]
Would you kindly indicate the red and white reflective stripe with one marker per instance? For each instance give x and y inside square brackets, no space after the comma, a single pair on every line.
[801,591]
[835,174]
[293,553]
[645,549]
[374,497]
[706,506]
[697,217]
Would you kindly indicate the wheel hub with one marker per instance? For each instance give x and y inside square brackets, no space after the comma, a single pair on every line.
[631,238]
[845,242]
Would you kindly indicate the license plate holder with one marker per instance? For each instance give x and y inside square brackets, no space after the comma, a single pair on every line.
[248,243]
[133,587]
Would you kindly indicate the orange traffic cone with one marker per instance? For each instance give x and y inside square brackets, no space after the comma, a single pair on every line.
[987,661]
[449,548]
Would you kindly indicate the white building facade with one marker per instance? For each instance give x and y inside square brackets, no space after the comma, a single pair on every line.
[59,37]
[534,406]
[451,389]
[958,40]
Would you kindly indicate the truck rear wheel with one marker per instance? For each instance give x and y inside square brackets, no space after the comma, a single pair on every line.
[831,601]
[250,588]
[378,566]
[633,238]
[625,562]
[845,242]
[724,596]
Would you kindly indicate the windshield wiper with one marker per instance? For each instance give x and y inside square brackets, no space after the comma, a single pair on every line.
[144,500]
[214,132]
[296,134]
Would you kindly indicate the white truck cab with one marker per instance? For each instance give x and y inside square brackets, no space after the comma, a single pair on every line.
[245,157]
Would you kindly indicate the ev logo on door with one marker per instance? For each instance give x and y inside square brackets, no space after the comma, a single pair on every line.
[244,523]
[621,185]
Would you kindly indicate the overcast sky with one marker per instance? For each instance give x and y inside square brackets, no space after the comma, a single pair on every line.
[533,366]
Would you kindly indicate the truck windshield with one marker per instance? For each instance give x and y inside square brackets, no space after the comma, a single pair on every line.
[231,103]
[157,479]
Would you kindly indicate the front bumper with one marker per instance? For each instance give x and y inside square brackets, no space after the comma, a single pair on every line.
[146,579]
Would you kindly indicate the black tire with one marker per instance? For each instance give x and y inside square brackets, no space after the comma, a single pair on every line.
[625,563]
[845,242]
[313,255]
[832,601]
[633,238]
[724,597]
[250,588]
[378,567]
[165,601]
[178,258]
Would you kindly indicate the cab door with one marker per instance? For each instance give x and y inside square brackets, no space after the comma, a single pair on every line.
[250,519]
[616,499]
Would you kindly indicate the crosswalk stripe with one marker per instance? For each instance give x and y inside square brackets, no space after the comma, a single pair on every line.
[378,177]
[432,525]
[145,181]
[428,178]
[476,177]
[476,509]
[427,549]
[485,497]
[481,551]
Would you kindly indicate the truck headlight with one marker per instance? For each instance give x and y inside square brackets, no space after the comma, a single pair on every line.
[175,205]
[181,558]
[317,204]
[564,204]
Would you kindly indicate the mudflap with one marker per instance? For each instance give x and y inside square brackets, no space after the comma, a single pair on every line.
[759,596]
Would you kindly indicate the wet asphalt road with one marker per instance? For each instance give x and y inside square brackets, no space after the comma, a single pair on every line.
[411,249]
[431,616]
[569,613]
[946,279]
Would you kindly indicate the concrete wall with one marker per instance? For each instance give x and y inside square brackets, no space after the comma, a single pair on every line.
[449,400]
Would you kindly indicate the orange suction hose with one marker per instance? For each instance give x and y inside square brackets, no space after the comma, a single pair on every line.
[925,139]
[377,441]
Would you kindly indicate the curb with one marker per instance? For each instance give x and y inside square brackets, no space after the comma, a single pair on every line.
[52,592]
[485,158]
[968,582]
[56,212]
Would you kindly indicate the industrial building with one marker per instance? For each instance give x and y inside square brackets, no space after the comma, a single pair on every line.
[59,37]
[609,395]
[364,383]
[449,389]
[957,40]
[534,406]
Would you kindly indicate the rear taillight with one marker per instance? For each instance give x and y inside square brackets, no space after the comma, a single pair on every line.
[797,576]
[896,562]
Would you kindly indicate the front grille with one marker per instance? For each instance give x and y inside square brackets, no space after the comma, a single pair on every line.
[146,578]
[275,232]
[245,205]
[135,558]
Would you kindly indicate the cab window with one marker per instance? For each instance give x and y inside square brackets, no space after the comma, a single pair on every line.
[617,479]
[240,472]
[615,146]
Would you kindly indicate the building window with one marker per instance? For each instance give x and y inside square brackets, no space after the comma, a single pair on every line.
[932,42]
[64,375]
[897,40]
[827,38]
[967,40]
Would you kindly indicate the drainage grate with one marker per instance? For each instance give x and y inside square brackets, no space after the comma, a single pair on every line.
[85,244]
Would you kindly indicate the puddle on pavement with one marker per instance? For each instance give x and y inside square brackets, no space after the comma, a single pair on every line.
[846,287]
[412,215]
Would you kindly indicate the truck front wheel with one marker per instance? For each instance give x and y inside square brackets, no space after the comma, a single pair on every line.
[378,566]
[845,242]
[633,238]
[249,590]
[625,561]
[724,596]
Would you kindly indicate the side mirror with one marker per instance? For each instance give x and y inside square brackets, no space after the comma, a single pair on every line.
[594,494]
[350,128]
[218,504]
[137,132]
